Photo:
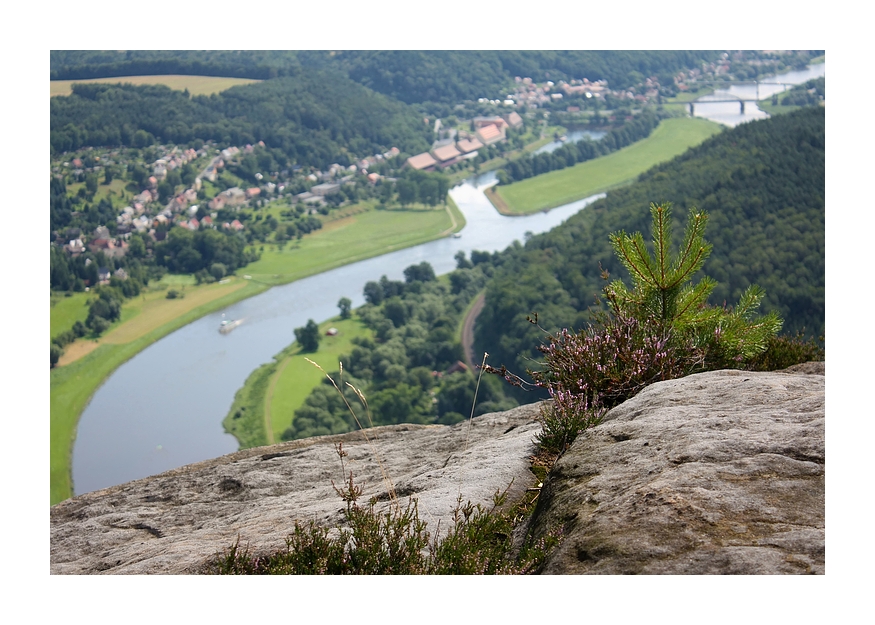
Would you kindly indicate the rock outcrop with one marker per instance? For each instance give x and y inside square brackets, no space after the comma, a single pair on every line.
[174,522]
[719,472]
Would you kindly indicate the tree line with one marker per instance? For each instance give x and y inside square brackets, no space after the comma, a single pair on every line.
[762,184]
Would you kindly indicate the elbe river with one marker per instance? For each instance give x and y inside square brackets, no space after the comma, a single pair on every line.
[164,408]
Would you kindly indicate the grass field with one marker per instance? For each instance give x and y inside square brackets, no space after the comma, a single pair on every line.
[353,238]
[671,138]
[115,191]
[265,405]
[196,85]
[296,377]
[65,311]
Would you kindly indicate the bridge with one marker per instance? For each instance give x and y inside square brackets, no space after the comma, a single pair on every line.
[740,100]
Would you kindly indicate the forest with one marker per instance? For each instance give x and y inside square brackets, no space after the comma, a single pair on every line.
[314,118]
[762,183]
[407,371]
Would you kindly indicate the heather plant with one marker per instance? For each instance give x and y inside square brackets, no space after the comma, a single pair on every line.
[395,541]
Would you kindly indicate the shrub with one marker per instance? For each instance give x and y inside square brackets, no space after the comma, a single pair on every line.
[396,542]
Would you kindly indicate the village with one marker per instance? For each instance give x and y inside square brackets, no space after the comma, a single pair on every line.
[193,209]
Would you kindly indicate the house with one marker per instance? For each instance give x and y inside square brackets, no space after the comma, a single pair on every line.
[446,155]
[235,196]
[207,222]
[237,225]
[514,120]
[326,188]
[217,202]
[372,178]
[103,275]
[493,120]
[424,161]
[144,198]
[121,274]
[457,366]
[75,247]
[489,134]
[193,224]
[331,332]
[252,192]
[466,146]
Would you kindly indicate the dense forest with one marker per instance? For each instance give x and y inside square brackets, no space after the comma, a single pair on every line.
[762,184]
[414,324]
[314,117]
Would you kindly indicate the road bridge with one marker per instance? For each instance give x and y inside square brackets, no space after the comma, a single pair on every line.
[740,101]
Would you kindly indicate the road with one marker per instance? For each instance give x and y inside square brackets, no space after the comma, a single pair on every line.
[468,331]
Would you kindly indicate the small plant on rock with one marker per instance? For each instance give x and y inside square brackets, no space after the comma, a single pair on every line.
[662,328]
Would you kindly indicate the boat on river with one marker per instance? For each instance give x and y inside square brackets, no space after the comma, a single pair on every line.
[228,325]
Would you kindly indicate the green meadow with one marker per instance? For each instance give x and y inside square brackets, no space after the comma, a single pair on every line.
[65,311]
[671,138]
[353,238]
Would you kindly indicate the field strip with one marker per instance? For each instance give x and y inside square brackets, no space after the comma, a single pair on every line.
[196,85]
[268,425]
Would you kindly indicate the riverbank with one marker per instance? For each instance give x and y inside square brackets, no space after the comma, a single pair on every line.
[672,137]
[146,320]
[72,386]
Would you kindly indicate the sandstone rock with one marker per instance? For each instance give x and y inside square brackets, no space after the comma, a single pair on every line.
[174,522]
[720,472]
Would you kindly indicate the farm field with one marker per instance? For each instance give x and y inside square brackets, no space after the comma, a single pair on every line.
[196,85]
[671,138]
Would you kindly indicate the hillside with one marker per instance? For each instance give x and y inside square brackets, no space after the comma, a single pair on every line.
[314,117]
[762,184]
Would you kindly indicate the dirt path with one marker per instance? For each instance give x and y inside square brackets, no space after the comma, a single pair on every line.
[452,228]
[468,330]
[268,399]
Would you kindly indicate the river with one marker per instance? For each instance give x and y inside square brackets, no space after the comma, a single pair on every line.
[164,408]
